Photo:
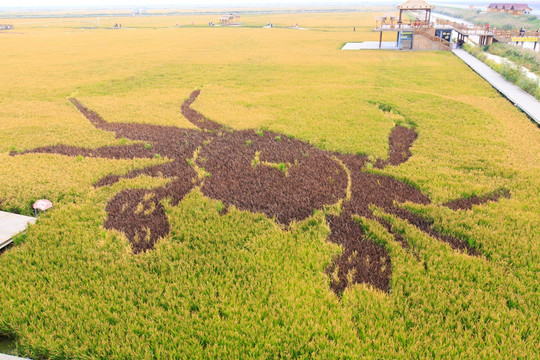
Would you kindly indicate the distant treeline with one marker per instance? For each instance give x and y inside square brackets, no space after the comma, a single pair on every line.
[495,20]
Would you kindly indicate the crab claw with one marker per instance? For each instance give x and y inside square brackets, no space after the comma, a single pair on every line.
[140,216]
[362,260]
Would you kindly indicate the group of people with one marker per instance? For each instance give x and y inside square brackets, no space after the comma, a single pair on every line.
[117,26]
[417,23]
[522,32]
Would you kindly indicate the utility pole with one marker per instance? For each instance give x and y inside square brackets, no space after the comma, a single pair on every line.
[97,17]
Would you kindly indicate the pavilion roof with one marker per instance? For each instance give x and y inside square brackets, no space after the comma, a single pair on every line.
[415,5]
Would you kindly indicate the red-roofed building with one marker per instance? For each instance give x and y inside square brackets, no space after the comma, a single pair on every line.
[510,8]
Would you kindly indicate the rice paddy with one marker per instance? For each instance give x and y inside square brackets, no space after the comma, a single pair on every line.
[237,278]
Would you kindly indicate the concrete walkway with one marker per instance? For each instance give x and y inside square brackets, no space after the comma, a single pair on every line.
[11,225]
[527,103]
[370,45]
[10,357]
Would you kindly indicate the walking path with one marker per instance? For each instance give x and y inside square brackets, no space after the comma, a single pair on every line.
[370,45]
[524,101]
[10,357]
[11,225]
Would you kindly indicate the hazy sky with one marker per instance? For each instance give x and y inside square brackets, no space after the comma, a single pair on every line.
[180,3]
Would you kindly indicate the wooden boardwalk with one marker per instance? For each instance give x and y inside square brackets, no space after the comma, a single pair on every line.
[11,225]
[523,100]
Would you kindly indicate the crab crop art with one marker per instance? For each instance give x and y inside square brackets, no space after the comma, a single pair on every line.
[281,177]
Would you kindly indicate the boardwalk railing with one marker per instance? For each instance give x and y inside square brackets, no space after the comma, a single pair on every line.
[486,34]
[465,28]
[508,35]
[394,23]
[499,35]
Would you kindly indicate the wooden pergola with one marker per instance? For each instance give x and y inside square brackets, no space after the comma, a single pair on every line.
[415,5]
[229,19]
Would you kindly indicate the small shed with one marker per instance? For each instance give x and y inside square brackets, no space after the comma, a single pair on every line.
[510,8]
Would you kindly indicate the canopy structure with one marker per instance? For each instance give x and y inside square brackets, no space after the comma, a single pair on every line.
[413,5]
[229,19]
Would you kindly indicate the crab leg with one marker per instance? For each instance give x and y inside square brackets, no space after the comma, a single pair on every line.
[91,115]
[106,152]
[468,203]
[458,204]
[427,227]
[168,170]
[400,141]
[195,117]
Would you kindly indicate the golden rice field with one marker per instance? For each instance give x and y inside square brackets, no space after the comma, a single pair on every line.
[238,284]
